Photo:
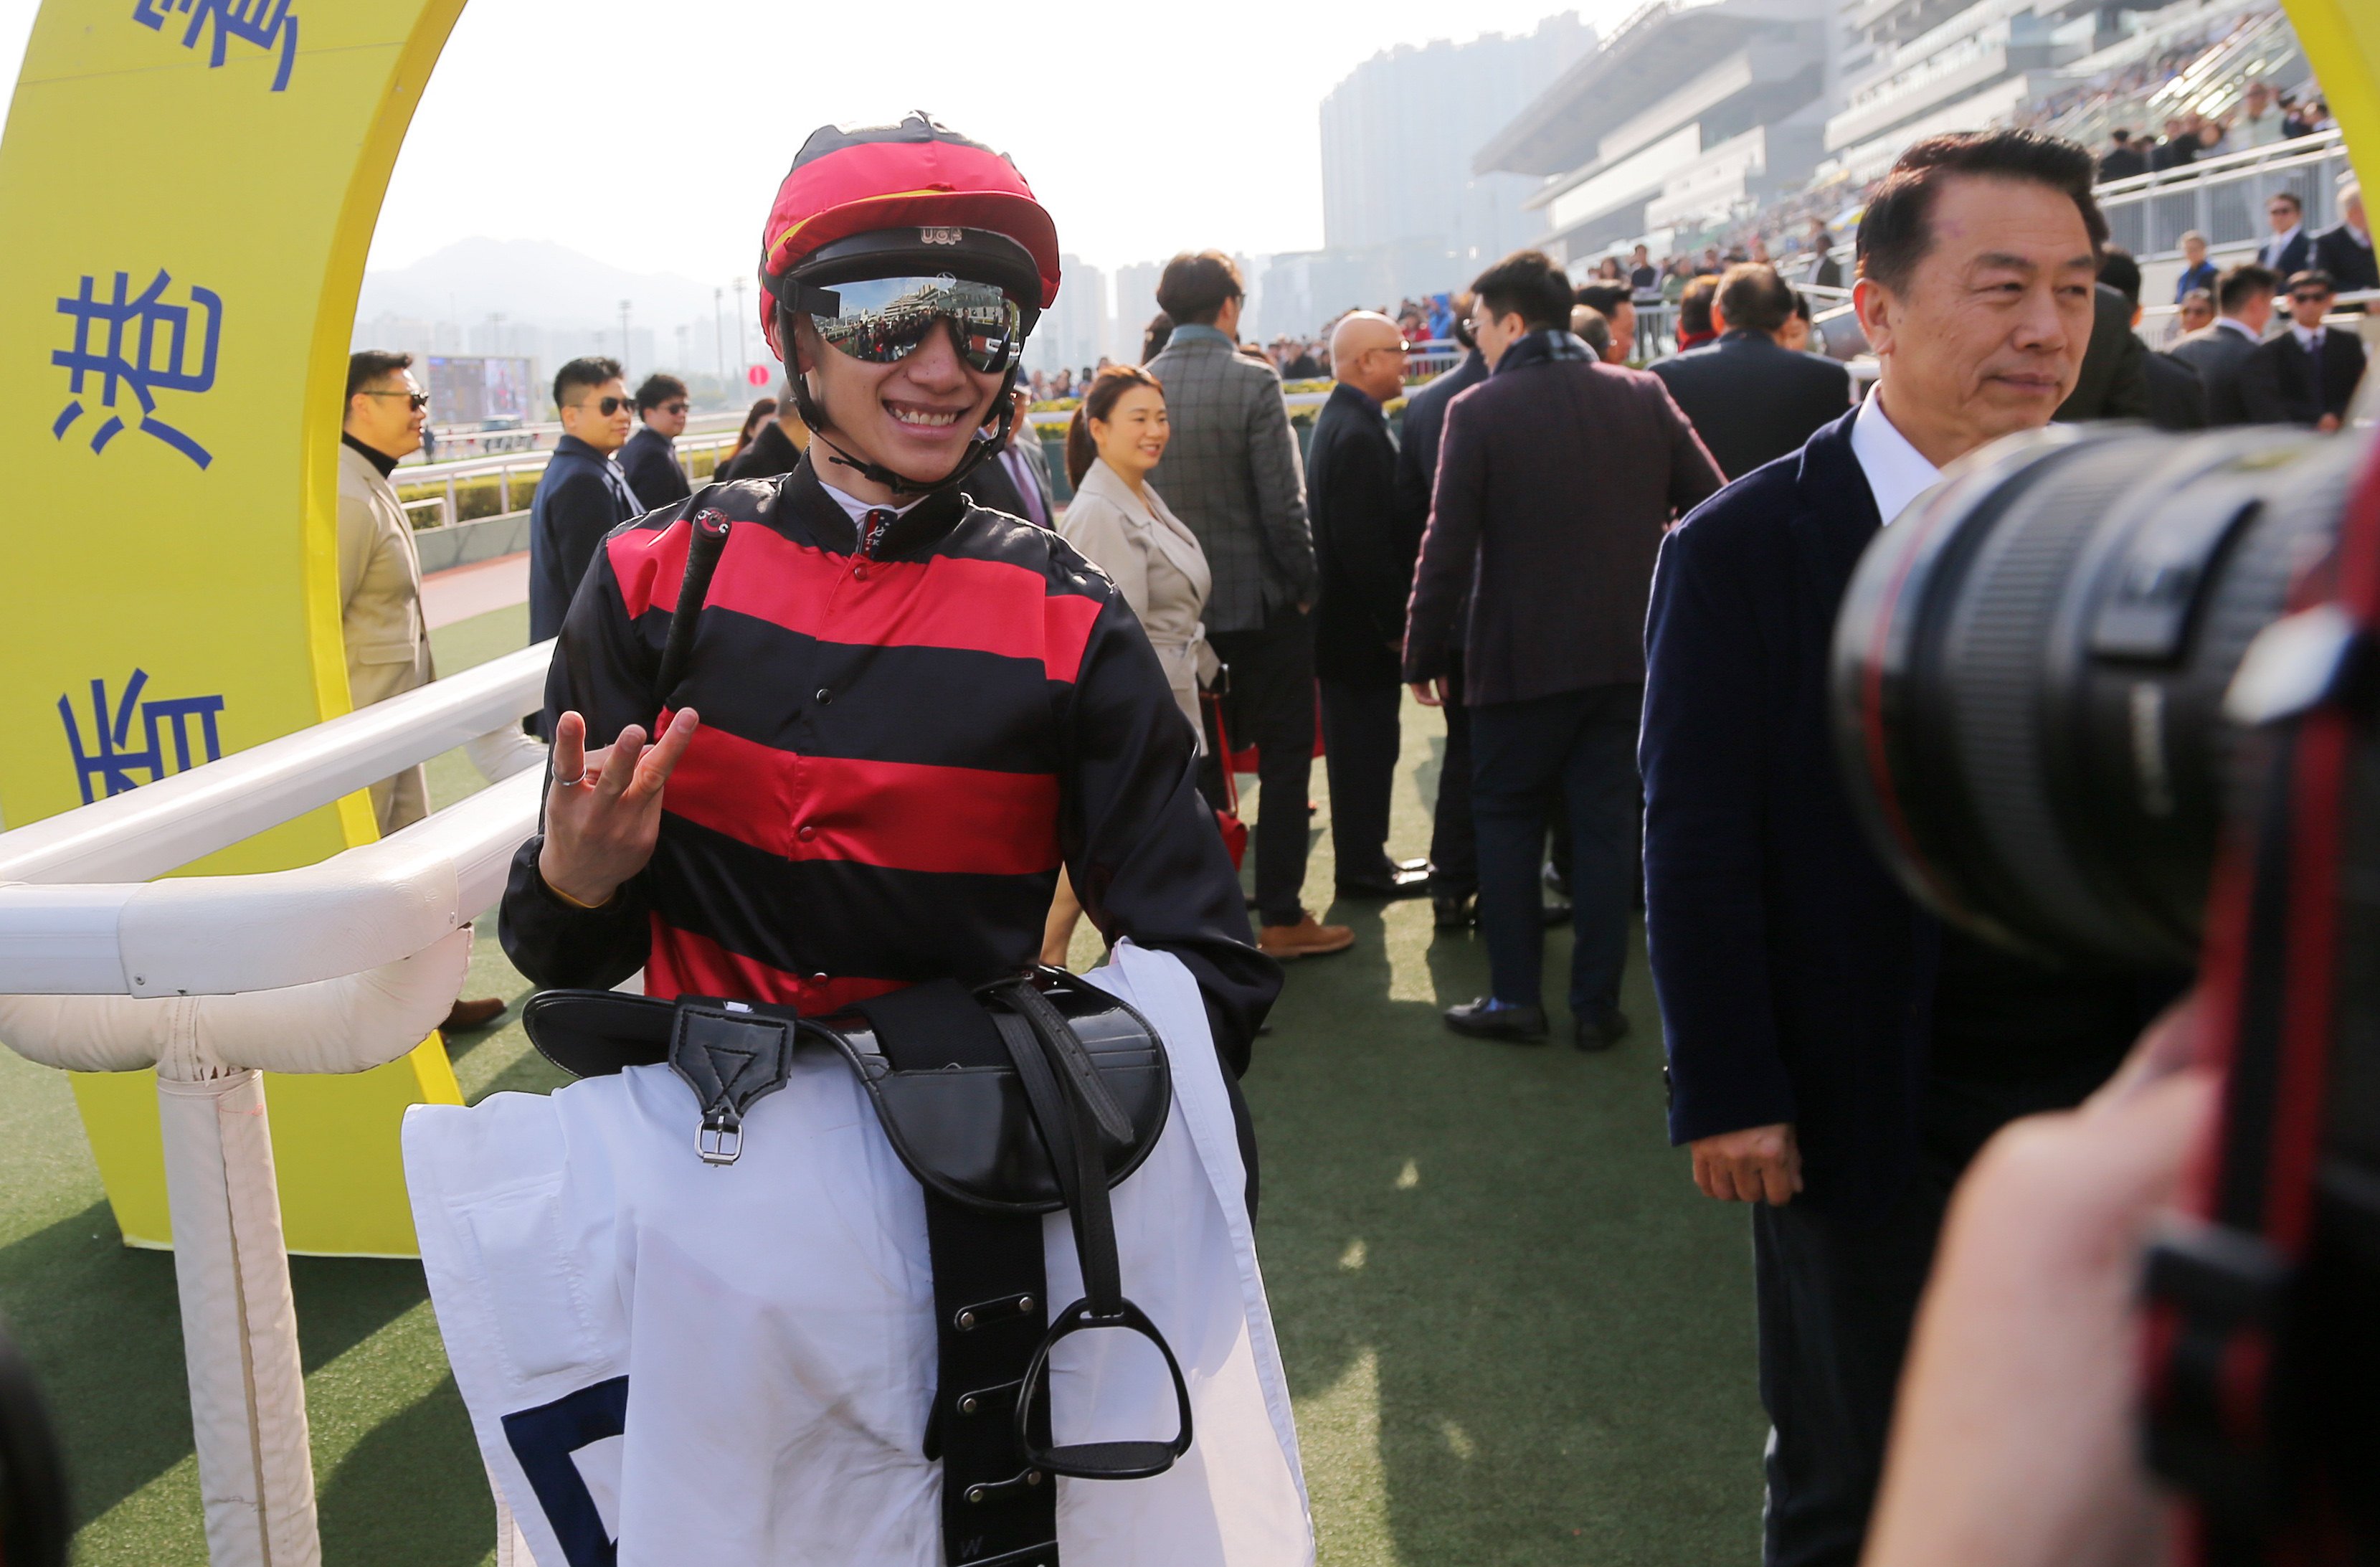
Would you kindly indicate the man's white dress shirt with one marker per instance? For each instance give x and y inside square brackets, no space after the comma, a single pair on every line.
[1897,472]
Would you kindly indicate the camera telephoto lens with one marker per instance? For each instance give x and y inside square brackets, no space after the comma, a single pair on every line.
[2029,671]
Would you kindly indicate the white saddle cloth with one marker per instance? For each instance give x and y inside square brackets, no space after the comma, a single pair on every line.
[668,1363]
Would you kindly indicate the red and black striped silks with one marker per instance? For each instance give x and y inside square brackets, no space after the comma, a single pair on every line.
[899,746]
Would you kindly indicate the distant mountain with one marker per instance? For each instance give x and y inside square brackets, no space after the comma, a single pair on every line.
[531,283]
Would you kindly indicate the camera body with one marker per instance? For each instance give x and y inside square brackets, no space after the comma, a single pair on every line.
[2110,696]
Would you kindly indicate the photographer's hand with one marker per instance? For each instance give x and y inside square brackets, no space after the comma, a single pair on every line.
[603,809]
[1757,1164]
[2016,1441]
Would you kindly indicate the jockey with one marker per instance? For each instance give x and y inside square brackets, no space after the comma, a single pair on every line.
[903,711]
[830,767]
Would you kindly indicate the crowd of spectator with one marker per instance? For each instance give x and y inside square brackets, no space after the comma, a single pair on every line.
[2263,117]
[1676,609]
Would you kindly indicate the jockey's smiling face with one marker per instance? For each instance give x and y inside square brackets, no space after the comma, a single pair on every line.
[914,416]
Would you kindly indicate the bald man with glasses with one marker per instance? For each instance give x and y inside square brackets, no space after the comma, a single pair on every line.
[1363,556]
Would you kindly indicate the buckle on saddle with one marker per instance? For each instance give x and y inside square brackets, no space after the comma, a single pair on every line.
[731,1057]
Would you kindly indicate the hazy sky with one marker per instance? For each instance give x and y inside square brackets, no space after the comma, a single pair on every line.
[654,133]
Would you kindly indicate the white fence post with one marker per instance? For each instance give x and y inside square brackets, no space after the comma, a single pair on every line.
[346,964]
[239,1323]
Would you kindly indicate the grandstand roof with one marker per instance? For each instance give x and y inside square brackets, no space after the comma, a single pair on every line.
[1663,44]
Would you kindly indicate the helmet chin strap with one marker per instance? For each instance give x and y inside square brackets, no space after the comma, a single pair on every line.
[979,446]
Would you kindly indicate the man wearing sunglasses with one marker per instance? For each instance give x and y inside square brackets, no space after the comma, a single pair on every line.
[913,711]
[583,494]
[650,459]
[380,582]
[2308,374]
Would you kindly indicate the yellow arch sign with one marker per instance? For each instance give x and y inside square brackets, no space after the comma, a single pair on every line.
[189,189]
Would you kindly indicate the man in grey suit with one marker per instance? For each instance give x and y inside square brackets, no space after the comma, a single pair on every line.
[1231,473]
[2243,295]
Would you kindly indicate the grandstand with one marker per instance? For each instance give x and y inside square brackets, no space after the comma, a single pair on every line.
[1784,121]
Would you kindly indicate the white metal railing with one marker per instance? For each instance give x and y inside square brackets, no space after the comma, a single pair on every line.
[334,967]
[2223,197]
[536,437]
[1426,361]
[2160,324]
[526,466]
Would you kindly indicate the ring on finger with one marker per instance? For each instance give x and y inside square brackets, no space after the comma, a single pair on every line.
[573,782]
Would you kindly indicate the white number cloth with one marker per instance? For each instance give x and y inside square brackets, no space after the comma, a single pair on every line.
[666,1362]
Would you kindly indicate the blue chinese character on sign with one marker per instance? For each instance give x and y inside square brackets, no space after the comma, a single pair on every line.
[261,22]
[113,761]
[148,347]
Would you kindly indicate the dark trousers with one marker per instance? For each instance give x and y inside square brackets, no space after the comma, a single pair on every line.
[1360,740]
[1271,706]
[1836,1299]
[1578,748]
[1453,843]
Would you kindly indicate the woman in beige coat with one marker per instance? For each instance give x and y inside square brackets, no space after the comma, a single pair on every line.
[1125,529]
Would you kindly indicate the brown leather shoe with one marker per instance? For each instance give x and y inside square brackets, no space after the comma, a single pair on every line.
[1305,939]
[470,1016]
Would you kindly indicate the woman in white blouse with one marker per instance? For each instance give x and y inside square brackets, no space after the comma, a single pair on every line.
[1125,529]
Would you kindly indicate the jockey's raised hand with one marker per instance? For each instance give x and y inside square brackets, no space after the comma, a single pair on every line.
[603,809]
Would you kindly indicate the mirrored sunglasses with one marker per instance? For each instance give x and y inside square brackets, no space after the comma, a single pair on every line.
[883,320]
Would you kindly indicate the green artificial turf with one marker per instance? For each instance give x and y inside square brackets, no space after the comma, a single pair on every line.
[1513,1334]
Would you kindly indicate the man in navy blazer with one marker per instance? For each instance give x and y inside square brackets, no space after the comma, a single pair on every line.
[1836,1056]
[2291,249]
[582,495]
[2308,374]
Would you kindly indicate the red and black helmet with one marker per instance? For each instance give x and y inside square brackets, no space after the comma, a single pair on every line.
[910,201]
[912,196]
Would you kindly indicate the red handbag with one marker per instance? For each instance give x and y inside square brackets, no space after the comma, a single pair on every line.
[1227,818]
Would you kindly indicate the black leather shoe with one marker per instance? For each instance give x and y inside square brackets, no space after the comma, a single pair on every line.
[1484,1019]
[1557,916]
[1600,1031]
[1405,878]
[1454,911]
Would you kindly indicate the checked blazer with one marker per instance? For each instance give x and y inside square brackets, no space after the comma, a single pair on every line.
[1232,472]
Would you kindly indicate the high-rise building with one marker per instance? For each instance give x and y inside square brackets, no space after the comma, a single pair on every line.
[1398,136]
[1073,331]
[1135,304]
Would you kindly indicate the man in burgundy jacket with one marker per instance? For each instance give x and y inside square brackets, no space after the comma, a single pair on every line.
[1556,476]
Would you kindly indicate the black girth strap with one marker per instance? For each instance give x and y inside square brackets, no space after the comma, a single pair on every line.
[991,1309]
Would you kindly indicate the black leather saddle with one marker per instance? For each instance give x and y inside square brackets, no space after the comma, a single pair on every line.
[1007,1102]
